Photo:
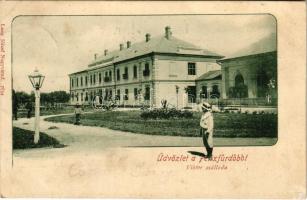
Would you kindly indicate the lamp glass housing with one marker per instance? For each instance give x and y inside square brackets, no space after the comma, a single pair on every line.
[36,79]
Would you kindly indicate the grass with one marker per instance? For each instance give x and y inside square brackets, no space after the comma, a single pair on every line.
[226,124]
[23,139]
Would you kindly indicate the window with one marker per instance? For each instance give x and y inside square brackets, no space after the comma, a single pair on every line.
[146,67]
[191,90]
[85,80]
[99,78]
[135,93]
[91,79]
[215,92]
[77,81]
[146,71]
[82,96]
[77,95]
[126,94]
[81,81]
[147,93]
[125,75]
[94,79]
[110,75]
[239,80]
[118,74]
[72,82]
[135,71]
[191,69]
[118,94]
[204,92]
[240,90]
[72,96]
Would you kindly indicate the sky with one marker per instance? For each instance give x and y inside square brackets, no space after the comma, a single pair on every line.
[59,45]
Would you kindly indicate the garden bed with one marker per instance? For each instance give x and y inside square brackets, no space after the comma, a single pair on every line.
[226,124]
[24,139]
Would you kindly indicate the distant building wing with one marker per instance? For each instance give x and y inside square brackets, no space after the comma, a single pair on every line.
[215,74]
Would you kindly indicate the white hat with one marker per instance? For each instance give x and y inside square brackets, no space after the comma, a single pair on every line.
[206,106]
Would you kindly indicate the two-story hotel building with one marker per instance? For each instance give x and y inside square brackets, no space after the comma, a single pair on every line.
[162,67]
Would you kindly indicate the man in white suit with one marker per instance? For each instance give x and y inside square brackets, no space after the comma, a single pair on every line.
[206,128]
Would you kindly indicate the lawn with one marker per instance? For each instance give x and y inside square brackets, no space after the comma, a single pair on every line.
[23,139]
[226,124]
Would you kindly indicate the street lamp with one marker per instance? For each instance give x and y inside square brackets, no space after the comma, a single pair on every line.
[36,79]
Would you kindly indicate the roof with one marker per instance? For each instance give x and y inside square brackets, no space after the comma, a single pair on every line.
[264,45]
[210,75]
[158,44]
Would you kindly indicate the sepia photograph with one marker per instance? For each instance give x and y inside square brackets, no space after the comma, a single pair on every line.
[86,83]
[153,100]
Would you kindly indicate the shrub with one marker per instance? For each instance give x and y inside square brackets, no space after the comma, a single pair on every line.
[254,112]
[161,113]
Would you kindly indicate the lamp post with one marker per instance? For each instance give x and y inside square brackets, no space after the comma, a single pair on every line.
[36,79]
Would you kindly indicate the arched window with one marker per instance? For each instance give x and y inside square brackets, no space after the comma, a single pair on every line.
[239,80]
[240,90]
[147,93]
[215,91]
[204,93]
[135,71]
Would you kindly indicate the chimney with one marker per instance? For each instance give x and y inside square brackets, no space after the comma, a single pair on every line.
[168,32]
[106,52]
[95,56]
[128,44]
[147,37]
[121,46]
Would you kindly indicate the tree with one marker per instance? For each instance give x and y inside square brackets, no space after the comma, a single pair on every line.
[22,97]
[60,96]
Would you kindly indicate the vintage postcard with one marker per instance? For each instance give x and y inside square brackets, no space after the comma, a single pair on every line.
[153,100]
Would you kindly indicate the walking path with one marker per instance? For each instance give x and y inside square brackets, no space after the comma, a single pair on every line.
[89,138]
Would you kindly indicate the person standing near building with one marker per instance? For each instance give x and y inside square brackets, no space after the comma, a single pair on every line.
[206,128]
[78,111]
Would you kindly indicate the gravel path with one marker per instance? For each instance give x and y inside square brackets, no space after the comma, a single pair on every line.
[89,138]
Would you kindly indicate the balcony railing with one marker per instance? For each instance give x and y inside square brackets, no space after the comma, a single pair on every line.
[125,76]
[107,79]
[146,73]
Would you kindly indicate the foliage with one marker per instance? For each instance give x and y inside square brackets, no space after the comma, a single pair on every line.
[55,97]
[24,139]
[161,113]
[46,98]
[22,97]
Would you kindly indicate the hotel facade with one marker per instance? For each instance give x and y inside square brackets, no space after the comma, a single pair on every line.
[155,69]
